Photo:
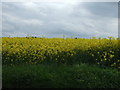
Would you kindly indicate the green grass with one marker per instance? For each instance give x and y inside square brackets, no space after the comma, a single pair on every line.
[59,76]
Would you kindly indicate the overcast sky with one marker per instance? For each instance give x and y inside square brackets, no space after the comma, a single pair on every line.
[72,19]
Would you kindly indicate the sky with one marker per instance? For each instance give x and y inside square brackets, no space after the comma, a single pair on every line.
[58,19]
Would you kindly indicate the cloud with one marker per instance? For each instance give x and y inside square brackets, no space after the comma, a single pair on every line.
[0,20]
[56,19]
[102,9]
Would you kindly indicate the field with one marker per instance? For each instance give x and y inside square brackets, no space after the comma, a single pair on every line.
[60,63]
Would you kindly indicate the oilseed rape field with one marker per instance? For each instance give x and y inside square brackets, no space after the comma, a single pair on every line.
[31,51]
[66,51]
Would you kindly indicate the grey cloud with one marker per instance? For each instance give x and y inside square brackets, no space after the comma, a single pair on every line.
[54,19]
[101,9]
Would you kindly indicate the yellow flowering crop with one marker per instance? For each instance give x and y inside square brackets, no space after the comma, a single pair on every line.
[57,50]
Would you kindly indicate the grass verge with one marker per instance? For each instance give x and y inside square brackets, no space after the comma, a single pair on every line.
[62,76]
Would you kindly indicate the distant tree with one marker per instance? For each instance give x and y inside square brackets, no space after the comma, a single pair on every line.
[99,38]
[93,37]
[75,37]
[111,38]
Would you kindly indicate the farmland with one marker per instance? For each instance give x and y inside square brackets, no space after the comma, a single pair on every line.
[59,63]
